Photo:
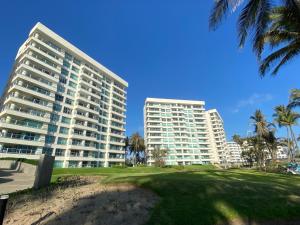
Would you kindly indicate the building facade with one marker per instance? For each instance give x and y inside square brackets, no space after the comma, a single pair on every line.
[234,152]
[217,136]
[60,101]
[183,129]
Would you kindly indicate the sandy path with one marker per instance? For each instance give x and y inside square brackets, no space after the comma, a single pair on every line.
[92,203]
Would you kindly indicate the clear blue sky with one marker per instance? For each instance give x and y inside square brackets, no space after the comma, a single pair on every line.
[162,48]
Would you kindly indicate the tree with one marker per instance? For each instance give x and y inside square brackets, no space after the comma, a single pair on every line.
[136,146]
[294,99]
[253,17]
[249,156]
[257,148]
[283,33]
[271,24]
[266,133]
[237,139]
[261,126]
[126,147]
[159,156]
[272,145]
[284,117]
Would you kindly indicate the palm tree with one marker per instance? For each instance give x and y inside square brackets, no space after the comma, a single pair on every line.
[271,24]
[283,31]
[257,147]
[294,99]
[265,132]
[253,17]
[136,146]
[261,126]
[284,117]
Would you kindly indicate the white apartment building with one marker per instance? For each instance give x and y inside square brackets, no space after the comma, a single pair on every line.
[235,152]
[217,136]
[60,101]
[184,129]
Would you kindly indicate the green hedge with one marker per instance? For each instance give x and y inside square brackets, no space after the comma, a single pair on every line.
[29,161]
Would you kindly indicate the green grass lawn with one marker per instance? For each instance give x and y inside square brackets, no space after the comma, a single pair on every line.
[204,195]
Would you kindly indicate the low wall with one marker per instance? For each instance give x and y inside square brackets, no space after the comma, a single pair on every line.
[20,167]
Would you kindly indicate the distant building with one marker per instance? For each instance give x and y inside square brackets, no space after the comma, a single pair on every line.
[234,153]
[282,152]
[189,133]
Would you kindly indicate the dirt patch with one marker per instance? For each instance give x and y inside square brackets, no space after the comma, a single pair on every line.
[83,201]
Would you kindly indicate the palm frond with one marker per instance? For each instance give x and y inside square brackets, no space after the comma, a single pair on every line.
[220,10]
[277,55]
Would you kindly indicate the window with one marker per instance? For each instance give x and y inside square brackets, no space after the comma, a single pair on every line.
[66,64]
[49,139]
[54,117]
[60,88]
[69,101]
[59,98]
[59,152]
[57,107]
[62,80]
[67,110]
[52,128]
[47,151]
[73,76]
[64,72]
[61,141]
[64,130]
[75,69]
[65,120]
[70,92]
[72,84]
[76,61]
[68,56]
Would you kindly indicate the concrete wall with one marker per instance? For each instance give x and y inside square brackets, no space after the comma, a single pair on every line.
[19,167]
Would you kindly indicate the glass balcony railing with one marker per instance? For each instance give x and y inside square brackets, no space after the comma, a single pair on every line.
[18,151]
[21,136]
[28,111]
[31,124]
[44,81]
[36,89]
[33,100]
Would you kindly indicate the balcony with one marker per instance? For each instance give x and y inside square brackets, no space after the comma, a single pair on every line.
[33,90]
[33,102]
[29,126]
[7,150]
[34,114]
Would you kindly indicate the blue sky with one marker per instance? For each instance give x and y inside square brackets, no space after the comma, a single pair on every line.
[162,48]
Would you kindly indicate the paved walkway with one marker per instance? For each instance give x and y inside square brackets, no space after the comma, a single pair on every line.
[11,181]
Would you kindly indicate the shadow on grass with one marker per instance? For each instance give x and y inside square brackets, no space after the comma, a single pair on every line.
[222,197]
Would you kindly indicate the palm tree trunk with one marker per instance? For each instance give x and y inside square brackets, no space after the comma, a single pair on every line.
[295,145]
[289,144]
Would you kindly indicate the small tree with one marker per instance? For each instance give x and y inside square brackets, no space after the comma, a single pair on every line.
[158,155]
[136,146]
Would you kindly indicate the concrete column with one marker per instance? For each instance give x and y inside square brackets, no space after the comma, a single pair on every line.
[44,171]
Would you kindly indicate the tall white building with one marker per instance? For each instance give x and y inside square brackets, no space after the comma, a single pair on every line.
[217,136]
[60,101]
[183,128]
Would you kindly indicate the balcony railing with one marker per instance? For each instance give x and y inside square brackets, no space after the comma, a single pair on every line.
[44,81]
[23,123]
[28,111]
[21,136]
[18,151]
